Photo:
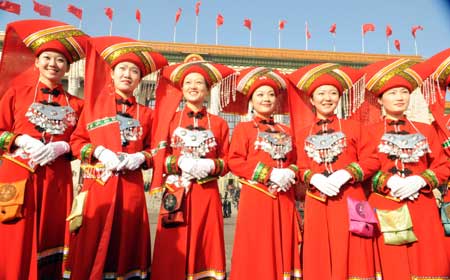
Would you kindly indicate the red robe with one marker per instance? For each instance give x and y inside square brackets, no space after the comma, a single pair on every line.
[195,249]
[114,239]
[267,238]
[330,251]
[426,258]
[32,247]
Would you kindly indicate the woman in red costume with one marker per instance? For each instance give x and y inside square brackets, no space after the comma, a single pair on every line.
[192,153]
[36,121]
[267,238]
[113,141]
[334,156]
[412,165]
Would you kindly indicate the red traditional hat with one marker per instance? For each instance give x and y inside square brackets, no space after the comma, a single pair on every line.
[252,78]
[102,54]
[26,39]
[169,96]
[348,81]
[440,66]
[387,74]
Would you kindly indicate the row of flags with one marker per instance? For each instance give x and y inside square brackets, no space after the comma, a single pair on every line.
[45,10]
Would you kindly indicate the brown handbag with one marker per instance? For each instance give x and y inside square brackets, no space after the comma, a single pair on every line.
[11,200]
[171,211]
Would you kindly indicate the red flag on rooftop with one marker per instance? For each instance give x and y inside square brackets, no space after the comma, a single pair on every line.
[42,9]
[281,24]
[368,27]
[138,16]
[109,13]
[219,20]
[75,11]
[397,44]
[248,23]
[388,30]
[415,28]
[333,28]
[10,7]
[177,15]
[197,7]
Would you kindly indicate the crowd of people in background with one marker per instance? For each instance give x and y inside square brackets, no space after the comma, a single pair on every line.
[370,195]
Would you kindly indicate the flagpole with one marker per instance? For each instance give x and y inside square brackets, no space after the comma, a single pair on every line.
[110,27]
[362,36]
[415,44]
[196,28]
[79,24]
[388,46]
[279,38]
[139,32]
[175,33]
[217,35]
[306,35]
[334,42]
[250,40]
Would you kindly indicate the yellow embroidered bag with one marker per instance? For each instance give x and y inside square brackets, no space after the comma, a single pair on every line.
[396,226]
[75,217]
[11,200]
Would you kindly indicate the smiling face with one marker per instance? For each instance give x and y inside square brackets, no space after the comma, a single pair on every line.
[52,66]
[264,101]
[325,99]
[126,77]
[195,89]
[395,101]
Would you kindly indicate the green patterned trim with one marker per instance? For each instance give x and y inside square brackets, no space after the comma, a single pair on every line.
[293,167]
[6,140]
[261,173]
[101,122]
[378,181]
[307,176]
[218,167]
[430,178]
[172,165]
[161,145]
[446,144]
[86,152]
[356,171]
[148,159]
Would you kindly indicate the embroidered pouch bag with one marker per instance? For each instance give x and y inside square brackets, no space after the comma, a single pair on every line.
[445,217]
[362,219]
[11,200]
[75,217]
[396,226]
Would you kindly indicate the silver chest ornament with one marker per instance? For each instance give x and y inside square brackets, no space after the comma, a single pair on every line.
[196,143]
[277,144]
[406,147]
[53,119]
[130,129]
[324,148]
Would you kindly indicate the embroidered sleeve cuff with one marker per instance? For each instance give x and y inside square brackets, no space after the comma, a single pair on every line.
[148,163]
[294,168]
[171,165]
[356,171]
[379,181]
[7,140]
[307,177]
[87,153]
[219,166]
[261,174]
[431,179]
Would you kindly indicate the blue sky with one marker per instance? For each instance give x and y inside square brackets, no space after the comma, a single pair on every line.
[158,21]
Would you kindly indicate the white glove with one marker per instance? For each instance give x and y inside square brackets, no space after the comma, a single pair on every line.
[193,167]
[394,183]
[49,152]
[283,178]
[107,157]
[411,187]
[186,164]
[131,161]
[339,178]
[28,143]
[324,185]
[204,167]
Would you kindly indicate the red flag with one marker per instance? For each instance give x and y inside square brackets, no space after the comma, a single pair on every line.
[308,35]
[248,23]
[219,20]
[415,28]
[397,44]
[177,15]
[10,7]
[197,7]
[109,13]
[333,28]
[388,30]
[368,27]
[41,9]
[138,16]
[281,24]
[75,11]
